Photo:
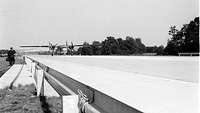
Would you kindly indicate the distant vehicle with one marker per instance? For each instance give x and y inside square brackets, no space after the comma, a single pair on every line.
[57,48]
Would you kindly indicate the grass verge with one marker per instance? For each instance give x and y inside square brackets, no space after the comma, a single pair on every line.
[22,99]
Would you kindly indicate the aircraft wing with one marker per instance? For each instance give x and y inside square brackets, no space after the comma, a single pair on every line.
[77,45]
[36,46]
[63,46]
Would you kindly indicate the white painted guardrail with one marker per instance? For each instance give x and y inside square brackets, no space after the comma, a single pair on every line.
[71,103]
[188,54]
[83,98]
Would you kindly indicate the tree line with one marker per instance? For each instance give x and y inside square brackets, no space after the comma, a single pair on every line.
[112,46]
[184,40]
[118,46]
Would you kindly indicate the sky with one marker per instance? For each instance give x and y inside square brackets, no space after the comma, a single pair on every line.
[36,22]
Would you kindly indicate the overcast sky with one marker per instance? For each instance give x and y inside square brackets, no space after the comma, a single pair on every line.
[36,22]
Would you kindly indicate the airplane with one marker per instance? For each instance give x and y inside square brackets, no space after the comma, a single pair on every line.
[55,48]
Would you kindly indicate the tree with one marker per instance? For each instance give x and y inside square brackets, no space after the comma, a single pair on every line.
[86,49]
[171,48]
[191,34]
[110,46]
[141,46]
[184,40]
[131,45]
[154,49]
[96,48]
[160,50]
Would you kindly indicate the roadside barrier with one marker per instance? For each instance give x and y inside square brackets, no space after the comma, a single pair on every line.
[76,96]
[188,54]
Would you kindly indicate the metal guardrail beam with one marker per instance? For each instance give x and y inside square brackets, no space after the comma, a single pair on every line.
[97,100]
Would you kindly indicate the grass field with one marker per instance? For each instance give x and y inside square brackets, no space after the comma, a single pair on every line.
[22,99]
[3,65]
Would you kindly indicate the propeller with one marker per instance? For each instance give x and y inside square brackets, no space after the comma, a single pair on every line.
[50,46]
[72,45]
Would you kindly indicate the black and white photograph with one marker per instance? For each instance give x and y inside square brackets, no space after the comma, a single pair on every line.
[99,56]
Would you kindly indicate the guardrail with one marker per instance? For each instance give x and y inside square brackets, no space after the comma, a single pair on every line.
[188,54]
[90,99]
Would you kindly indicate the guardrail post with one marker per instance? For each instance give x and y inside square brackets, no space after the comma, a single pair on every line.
[28,63]
[33,72]
[33,64]
[40,82]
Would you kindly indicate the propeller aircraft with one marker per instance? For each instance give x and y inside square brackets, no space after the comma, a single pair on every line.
[55,48]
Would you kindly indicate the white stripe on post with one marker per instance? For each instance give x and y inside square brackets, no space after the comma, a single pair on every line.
[33,64]
[28,63]
[70,104]
[40,82]
[33,72]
